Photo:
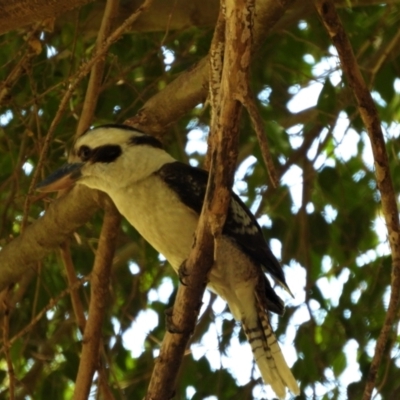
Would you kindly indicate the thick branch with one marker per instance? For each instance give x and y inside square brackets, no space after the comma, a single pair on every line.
[369,115]
[184,14]
[185,92]
[62,218]
[224,143]
[100,278]
[16,14]
[19,13]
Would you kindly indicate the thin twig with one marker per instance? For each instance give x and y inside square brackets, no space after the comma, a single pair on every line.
[258,124]
[33,49]
[167,28]
[393,44]
[97,71]
[72,280]
[369,115]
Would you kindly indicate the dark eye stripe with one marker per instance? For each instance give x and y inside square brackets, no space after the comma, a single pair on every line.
[105,154]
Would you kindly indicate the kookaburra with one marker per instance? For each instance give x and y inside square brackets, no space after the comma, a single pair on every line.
[162,198]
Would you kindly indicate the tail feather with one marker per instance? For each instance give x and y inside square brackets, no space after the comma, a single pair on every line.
[272,344]
[265,360]
[268,355]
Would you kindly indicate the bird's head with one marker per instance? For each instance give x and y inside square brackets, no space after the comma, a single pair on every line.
[106,157]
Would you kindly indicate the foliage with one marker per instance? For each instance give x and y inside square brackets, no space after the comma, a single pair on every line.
[325,216]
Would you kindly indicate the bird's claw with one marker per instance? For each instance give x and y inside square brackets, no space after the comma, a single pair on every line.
[171,327]
[183,273]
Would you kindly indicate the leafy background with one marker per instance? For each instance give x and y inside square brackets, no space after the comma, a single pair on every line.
[324,220]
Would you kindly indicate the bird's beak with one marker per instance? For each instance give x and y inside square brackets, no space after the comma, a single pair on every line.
[62,178]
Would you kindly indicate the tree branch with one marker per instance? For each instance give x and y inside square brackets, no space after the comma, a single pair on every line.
[62,218]
[65,252]
[97,71]
[223,150]
[16,14]
[19,13]
[258,124]
[370,117]
[100,278]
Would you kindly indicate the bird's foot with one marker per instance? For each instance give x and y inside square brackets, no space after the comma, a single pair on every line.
[171,327]
[183,273]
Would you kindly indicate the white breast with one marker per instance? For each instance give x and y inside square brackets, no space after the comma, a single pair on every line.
[168,225]
[157,214]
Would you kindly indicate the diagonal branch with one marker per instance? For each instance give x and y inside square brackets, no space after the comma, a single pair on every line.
[223,150]
[62,218]
[369,115]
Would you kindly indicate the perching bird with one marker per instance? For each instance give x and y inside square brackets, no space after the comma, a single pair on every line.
[162,198]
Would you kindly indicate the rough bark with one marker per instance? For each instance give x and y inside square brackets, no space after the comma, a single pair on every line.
[165,15]
[172,15]
[62,218]
[100,281]
[229,79]
[17,14]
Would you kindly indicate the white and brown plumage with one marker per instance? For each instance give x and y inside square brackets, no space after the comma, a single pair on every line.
[162,198]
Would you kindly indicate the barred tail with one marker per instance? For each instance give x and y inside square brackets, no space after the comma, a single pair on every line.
[268,354]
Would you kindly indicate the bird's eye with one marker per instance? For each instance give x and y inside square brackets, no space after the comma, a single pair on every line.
[84,153]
